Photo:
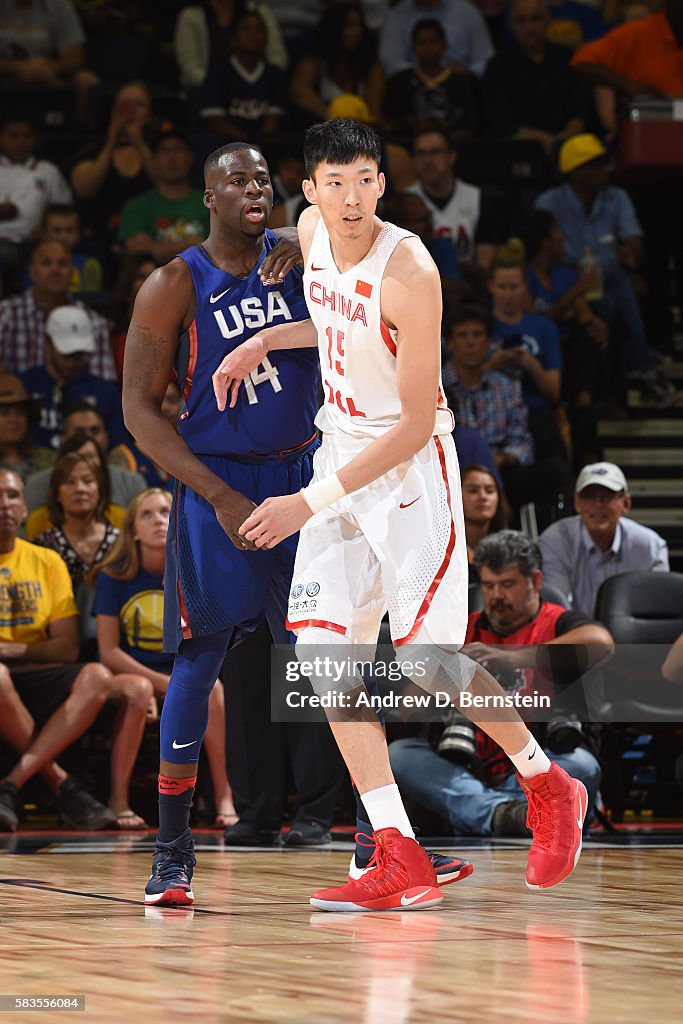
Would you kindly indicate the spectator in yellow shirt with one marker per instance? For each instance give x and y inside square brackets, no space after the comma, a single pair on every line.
[47,700]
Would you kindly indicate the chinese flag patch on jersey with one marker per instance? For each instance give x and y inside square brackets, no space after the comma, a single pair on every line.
[364,289]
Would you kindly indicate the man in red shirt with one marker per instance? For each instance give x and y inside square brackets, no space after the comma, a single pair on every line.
[467,781]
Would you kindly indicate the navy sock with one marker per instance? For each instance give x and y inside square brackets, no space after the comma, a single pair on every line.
[175,801]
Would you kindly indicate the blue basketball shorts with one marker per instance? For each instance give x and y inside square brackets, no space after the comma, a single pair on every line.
[210,586]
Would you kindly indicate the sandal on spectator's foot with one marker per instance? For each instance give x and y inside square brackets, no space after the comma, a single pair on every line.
[225,820]
[128,820]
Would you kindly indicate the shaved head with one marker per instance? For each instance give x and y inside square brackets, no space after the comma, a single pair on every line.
[213,161]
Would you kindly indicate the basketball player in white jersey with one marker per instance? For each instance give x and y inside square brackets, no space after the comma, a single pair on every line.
[381,523]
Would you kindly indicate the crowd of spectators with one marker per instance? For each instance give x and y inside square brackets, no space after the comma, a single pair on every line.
[500,128]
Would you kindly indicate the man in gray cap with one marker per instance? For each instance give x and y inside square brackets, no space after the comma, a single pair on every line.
[583,550]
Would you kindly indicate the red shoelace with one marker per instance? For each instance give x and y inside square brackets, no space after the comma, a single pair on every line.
[541,821]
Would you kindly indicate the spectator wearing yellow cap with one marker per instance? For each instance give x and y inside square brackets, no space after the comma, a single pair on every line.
[600,228]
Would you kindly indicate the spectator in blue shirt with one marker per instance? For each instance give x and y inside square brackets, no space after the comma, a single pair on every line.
[581,552]
[64,378]
[561,294]
[491,403]
[527,345]
[600,227]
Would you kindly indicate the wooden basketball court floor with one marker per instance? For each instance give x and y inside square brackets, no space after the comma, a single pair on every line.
[605,946]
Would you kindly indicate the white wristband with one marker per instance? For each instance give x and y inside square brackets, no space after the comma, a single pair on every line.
[322,493]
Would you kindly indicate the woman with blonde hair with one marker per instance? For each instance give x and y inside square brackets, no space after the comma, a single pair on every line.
[129,607]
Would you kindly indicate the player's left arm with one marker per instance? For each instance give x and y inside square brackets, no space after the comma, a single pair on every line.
[283,257]
[411,303]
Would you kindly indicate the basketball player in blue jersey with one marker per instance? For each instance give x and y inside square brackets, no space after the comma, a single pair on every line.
[188,315]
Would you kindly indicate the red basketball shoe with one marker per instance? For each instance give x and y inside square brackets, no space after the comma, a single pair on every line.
[557,808]
[448,869]
[401,877]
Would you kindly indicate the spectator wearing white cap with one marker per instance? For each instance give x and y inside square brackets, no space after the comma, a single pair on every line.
[580,552]
[64,377]
[22,317]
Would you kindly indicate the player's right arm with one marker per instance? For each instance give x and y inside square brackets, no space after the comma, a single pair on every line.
[246,357]
[163,309]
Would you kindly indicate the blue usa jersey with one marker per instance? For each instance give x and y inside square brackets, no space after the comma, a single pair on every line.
[278,401]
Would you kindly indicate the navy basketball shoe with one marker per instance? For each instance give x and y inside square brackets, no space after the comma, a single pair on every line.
[448,869]
[170,883]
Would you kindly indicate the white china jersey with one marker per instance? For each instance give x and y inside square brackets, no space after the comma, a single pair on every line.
[357,349]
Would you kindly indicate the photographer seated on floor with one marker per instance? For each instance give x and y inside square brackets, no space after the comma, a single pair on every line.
[466,780]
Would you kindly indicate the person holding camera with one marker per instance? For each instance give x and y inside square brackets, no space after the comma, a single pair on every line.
[532,647]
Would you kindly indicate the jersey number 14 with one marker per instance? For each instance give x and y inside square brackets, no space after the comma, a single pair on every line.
[257,376]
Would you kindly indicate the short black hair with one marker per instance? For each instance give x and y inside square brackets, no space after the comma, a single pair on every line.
[81,406]
[60,210]
[466,314]
[533,230]
[213,160]
[340,141]
[428,23]
[18,118]
[428,126]
[170,131]
[508,547]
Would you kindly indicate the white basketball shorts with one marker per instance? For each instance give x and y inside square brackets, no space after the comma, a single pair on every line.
[397,545]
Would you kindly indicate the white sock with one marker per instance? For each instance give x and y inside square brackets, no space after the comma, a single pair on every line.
[385,810]
[531,760]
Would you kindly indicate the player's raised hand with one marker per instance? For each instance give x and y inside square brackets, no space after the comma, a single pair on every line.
[275,520]
[237,365]
[281,259]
